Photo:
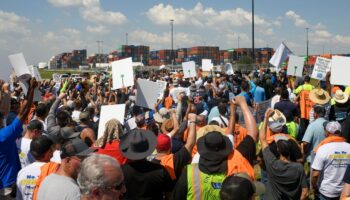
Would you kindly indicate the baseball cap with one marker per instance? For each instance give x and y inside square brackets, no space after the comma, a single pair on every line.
[332,127]
[163,142]
[75,147]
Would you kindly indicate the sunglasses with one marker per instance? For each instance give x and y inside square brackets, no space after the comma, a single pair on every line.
[116,187]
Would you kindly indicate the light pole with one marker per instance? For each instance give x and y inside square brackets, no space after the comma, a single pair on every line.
[126,38]
[307,45]
[238,42]
[253,50]
[172,41]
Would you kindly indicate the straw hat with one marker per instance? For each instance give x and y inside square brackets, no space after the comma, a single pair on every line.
[277,116]
[341,97]
[319,96]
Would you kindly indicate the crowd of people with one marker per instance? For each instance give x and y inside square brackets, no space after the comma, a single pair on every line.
[207,138]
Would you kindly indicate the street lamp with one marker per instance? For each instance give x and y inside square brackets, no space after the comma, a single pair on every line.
[126,38]
[307,45]
[172,41]
[253,50]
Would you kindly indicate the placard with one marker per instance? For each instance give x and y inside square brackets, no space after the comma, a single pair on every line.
[161,88]
[189,69]
[207,65]
[35,72]
[147,93]
[109,112]
[228,69]
[295,66]
[20,66]
[25,86]
[122,73]
[322,66]
[261,109]
[340,70]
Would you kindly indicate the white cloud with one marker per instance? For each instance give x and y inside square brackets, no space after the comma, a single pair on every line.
[341,39]
[203,17]
[298,21]
[91,11]
[13,23]
[70,31]
[97,29]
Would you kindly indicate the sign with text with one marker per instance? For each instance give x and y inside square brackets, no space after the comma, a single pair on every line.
[322,66]
[207,65]
[161,88]
[261,109]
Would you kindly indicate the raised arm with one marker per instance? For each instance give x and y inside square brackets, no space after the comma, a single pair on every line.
[262,134]
[252,128]
[51,118]
[231,128]
[26,106]
[191,139]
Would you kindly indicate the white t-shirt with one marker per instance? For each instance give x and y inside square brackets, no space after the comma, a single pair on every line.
[26,180]
[23,146]
[56,157]
[75,115]
[332,159]
[222,120]
[274,100]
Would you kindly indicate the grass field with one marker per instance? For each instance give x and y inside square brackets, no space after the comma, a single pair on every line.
[47,74]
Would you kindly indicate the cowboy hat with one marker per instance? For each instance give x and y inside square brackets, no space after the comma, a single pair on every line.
[138,144]
[319,96]
[341,97]
[209,128]
[214,146]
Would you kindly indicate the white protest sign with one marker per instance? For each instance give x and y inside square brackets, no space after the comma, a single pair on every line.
[25,86]
[147,93]
[189,69]
[35,72]
[295,66]
[340,70]
[207,65]
[322,66]
[20,66]
[161,88]
[109,112]
[228,69]
[122,73]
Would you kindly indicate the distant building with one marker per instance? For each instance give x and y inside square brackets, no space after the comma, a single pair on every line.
[69,60]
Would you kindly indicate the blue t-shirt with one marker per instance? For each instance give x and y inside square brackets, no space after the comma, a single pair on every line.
[246,96]
[259,94]
[314,134]
[9,160]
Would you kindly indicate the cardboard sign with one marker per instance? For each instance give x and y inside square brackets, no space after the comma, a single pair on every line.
[35,72]
[110,112]
[147,93]
[161,88]
[295,66]
[322,66]
[340,70]
[189,69]
[122,73]
[207,65]
[228,69]
[20,66]
[261,109]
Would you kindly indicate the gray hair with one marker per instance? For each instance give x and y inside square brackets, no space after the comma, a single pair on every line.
[92,175]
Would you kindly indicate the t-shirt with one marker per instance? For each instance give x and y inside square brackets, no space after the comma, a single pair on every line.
[288,108]
[57,187]
[314,134]
[259,94]
[75,115]
[9,161]
[112,149]
[26,180]
[25,157]
[286,179]
[332,160]
[145,180]
[346,178]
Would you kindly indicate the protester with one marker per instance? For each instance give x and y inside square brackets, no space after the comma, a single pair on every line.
[330,163]
[9,160]
[286,177]
[100,178]
[41,150]
[346,190]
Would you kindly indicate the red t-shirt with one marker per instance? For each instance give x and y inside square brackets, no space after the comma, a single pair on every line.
[112,149]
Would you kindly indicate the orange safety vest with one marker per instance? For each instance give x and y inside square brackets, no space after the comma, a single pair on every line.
[45,170]
[167,161]
[239,134]
[237,163]
[305,104]
[329,139]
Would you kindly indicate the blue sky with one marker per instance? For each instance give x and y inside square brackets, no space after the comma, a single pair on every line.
[43,28]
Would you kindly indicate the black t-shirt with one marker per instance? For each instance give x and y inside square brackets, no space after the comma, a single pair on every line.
[246,148]
[286,179]
[346,178]
[146,180]
[181,159]
[295,152]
